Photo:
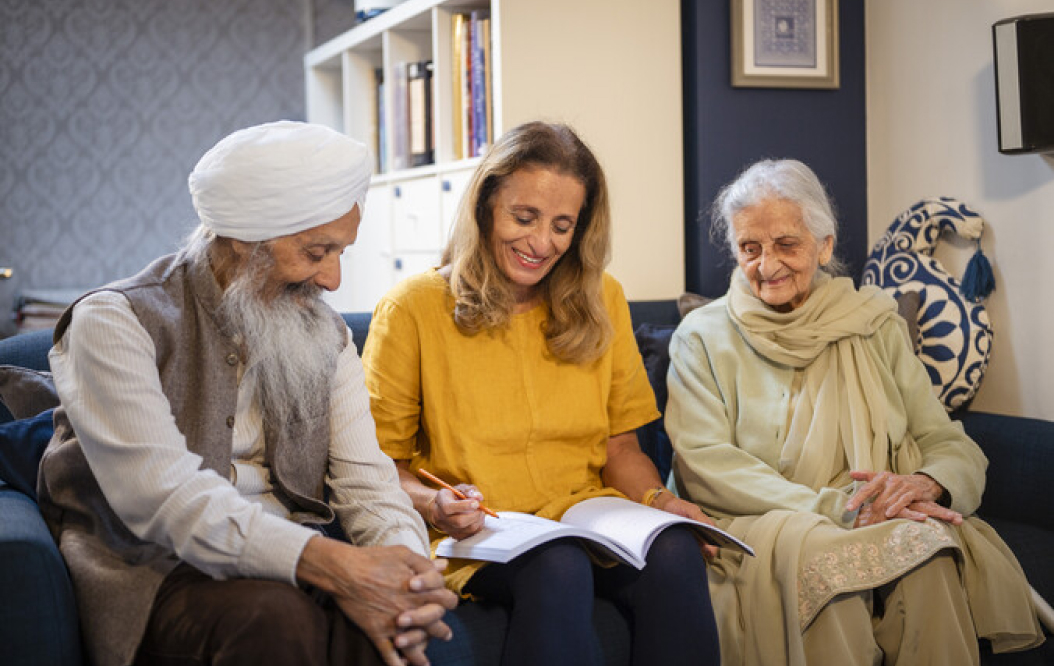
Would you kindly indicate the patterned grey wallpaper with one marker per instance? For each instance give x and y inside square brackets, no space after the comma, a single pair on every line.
[105,107]
[332,17]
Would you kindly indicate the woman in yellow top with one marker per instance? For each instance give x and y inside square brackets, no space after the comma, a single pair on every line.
[513,369]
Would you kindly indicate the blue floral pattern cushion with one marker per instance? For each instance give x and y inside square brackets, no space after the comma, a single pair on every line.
[954,336]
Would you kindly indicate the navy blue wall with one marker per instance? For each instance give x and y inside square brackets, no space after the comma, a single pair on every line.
[726,129]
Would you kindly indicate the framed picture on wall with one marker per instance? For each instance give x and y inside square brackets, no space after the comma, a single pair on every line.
[785,43]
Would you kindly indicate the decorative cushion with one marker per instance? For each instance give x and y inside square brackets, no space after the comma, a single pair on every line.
[954,337]
[26,392]
[22,443]
[653,340]
[688,301]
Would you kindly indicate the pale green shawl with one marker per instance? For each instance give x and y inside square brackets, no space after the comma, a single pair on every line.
[836,412]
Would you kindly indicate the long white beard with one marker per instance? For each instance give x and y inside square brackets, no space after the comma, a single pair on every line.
[291,342]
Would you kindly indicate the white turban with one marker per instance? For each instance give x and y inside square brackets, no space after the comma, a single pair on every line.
[278,179]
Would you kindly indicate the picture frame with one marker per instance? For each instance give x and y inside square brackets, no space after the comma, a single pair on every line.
[785,44]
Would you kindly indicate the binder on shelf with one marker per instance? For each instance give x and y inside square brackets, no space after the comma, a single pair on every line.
[400,129]
[381,146]
[419,89]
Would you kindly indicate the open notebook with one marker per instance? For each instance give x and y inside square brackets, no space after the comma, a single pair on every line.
[617,527]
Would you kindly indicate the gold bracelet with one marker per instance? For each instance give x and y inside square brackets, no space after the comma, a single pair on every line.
[428,514]
[652,494]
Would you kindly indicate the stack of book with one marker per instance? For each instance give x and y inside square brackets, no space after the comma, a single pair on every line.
[409,140]
[473,110]
[41,308]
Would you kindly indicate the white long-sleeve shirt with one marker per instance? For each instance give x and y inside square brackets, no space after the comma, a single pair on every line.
[106,376]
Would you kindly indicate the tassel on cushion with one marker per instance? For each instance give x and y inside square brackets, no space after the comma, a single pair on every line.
[978,280]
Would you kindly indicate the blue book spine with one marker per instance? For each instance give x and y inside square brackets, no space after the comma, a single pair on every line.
[479,88]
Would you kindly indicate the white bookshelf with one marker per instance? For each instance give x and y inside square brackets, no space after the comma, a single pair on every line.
[609,68]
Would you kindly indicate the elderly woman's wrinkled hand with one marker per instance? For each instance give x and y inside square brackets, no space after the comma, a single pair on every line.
[885,496]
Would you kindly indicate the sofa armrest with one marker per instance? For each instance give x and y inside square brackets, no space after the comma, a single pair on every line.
[38,616]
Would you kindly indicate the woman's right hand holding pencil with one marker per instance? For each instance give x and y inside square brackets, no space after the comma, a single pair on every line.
[459,518]
[457,511]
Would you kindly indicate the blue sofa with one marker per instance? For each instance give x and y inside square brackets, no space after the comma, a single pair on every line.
[38,617]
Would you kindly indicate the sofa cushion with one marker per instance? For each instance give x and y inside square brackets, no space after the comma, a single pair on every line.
[26,392]
[653,340]
[22,443]
[1020,454]
[954,339]
[359,323]
[689,301]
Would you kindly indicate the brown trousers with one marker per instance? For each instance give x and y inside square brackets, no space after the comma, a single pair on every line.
[196,620]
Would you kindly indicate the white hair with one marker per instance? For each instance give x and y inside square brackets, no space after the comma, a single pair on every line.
[790,180]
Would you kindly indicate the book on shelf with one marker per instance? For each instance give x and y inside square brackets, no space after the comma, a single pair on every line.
[400,129]
[457,59]
[419,103]
[464,107]
[472,103]
[488,82]
[480,45]
[613,527]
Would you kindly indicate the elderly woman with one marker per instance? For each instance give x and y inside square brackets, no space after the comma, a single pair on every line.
[513,369]
[803,422]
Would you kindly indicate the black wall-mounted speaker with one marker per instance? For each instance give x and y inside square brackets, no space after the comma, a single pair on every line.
[1024,83]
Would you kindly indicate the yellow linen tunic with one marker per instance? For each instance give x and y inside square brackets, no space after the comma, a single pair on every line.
[496,409]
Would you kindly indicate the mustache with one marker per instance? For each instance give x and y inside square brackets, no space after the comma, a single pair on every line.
[306,290]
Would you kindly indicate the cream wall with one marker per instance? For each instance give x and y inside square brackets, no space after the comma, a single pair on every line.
[931,131]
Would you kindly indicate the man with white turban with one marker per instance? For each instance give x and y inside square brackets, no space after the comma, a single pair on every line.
[214,418]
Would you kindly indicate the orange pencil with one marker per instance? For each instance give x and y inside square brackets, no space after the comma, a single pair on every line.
[457,493]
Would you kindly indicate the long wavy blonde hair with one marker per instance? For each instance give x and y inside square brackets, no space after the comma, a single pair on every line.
[578,329]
